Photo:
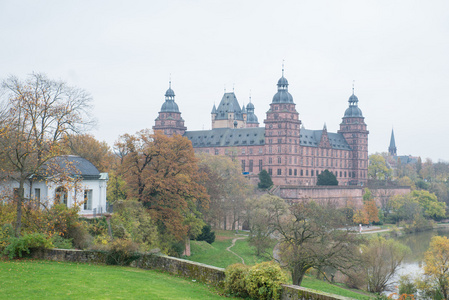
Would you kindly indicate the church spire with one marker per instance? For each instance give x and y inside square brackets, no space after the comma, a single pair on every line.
[392,150]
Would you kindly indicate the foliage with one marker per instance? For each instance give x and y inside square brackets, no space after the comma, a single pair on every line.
[264,281]
[261,218]
[132,221]
[369,206]
[86,146]
[206,235]
[228,188]
[117,189]
[381,259]
[407,285]
[161,172]
[38,114]
[437,263]
[315,236]
[6,232]
[420,202]
[327,178]
[19,245]
[122,252]
[61,243]
[265,181]
[377,168]
[235,283]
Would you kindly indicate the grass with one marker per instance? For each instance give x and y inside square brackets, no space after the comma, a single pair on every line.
[319,285]
[26,279]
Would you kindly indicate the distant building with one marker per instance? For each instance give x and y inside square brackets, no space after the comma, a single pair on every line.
[395,159]
[292,154]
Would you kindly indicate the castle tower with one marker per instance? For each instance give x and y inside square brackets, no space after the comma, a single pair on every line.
[251,118]
[228,114]
[169,120]
[282,126]
[392,150]
[354,130]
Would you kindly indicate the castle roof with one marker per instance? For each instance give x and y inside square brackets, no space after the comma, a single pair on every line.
[229,104]
[228,137]
[169,104]
[353,111]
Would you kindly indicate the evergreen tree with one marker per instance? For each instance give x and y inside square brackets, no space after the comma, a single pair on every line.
[327,178]
[265,181]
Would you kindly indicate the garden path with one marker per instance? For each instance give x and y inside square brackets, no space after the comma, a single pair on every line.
[232,245]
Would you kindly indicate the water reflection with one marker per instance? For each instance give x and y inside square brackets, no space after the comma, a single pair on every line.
[418,243]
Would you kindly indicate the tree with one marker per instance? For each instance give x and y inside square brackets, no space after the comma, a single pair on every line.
[377,168]
[261,214]
[381,259]
[265,181]
[327,178]
[86,146]
[227,187]
[162,173]
[437,263]
[418,202]
[314,236]
[369,206]
[37,115]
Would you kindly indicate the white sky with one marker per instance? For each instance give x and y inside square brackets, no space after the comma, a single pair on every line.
[123,53]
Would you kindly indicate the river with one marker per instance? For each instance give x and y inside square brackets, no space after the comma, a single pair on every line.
[418,243]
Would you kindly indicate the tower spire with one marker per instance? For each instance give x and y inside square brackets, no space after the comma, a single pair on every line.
[169,81]
[353,86]
[283,67]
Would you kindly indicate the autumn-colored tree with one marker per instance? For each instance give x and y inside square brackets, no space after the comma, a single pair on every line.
[360,217]
[369,206]
[162,173]
[437,263]
[38,114]
[227,188]
[88,147]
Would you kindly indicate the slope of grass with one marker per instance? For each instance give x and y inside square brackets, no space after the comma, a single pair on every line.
[319,285]
[29,279]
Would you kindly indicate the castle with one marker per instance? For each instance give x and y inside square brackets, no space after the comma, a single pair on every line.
[290,153]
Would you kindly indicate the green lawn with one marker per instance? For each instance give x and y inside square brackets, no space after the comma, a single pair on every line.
[319,285]
[30,279]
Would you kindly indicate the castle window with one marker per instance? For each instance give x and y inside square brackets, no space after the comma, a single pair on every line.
[290,172]
[243,151]
[251,151]
[279,141]
[270,141]
[260,149]
[279,172]
[279,160]
[216,151]
[250,165]
[296,172]
[302,173]
[307,172]
[270,171]
[270,149]
[260,165]
[311,173]
[279,149]
[243,165]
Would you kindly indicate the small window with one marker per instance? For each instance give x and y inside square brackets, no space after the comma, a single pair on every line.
[87,199]
[61,195]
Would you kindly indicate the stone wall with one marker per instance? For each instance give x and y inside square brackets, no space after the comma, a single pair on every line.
[200,272]
[338,194]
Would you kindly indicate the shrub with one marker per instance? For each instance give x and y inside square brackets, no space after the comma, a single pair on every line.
[264,281]
[25,243]
[235,280]
[206,235]
[122,252]
[61,243]
[6,232]
[406,285]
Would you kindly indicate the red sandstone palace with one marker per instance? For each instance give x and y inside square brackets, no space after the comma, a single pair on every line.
[291,154]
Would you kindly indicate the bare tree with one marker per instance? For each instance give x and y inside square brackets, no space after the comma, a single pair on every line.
[313,235]
[36,115]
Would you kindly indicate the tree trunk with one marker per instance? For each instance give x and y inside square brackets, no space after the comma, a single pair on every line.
[19,198]
[297,275]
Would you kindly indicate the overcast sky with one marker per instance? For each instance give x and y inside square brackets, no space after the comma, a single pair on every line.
[123,52]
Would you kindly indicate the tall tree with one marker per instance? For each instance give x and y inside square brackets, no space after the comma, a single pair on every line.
[265,181]
[227,187]
[37,115]
[314,236]
[162,173]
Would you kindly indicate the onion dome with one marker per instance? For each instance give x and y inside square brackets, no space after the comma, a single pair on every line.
[169,104]
[282,96]
[353,110]
[251,118]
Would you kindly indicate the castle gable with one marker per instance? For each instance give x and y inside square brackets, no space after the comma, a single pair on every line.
[312,138]
[229,104]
